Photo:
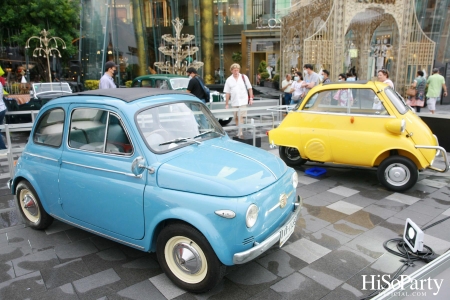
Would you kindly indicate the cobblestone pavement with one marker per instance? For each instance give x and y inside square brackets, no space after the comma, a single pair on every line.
[347,215]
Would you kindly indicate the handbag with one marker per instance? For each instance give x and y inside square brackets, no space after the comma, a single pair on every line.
[411,92]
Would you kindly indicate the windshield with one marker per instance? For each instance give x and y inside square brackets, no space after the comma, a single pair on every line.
[171,126]
[51,87]
[397,100]
[179,83]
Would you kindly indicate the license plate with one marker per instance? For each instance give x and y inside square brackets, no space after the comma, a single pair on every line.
[287,231]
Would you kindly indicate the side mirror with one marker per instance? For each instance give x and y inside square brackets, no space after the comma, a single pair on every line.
[137,166]
[396,126]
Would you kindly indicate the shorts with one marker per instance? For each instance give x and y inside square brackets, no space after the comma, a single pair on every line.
[431,103]
[242,111]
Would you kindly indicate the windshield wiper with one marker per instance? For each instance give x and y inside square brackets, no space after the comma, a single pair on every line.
[188,139]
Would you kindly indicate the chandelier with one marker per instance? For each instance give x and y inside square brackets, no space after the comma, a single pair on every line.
[180,56]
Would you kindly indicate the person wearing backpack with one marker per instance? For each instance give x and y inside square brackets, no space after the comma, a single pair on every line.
[196,86]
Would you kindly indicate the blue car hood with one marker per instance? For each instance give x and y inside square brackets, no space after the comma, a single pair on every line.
[221,167]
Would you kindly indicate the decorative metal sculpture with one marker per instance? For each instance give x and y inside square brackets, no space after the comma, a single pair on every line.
[180,58]
[46,48]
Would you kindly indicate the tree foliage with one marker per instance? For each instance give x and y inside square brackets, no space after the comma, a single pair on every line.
[21,19]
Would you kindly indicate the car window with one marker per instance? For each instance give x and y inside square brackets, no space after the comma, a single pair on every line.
[161,84]
[346,101]
[179,83]
[397,100]
[183,121]
[50,127]
[98,131]
[146,83]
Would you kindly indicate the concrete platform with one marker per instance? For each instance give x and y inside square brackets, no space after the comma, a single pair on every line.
[339,237]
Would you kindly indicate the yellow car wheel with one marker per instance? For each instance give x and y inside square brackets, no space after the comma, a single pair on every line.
[291,156]
[398,173]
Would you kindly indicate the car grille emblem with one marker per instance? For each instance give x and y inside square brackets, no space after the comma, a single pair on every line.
[283,200]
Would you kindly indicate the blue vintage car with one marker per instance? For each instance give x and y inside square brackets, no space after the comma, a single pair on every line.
[153,169]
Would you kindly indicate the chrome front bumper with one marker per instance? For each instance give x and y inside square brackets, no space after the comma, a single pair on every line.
[443,154]
[260,248]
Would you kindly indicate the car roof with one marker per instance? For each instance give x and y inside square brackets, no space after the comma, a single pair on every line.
[127,94]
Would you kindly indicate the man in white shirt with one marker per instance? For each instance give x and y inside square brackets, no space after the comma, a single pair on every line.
[107,80]
[286,88]
[239,88]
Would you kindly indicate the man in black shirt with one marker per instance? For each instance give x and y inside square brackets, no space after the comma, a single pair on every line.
[194,86]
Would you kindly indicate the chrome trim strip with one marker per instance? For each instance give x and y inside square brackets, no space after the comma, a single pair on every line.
[40,156]
[100,169]
[344,114]
[443,153]
[97,233]
[249,157]
[258,249]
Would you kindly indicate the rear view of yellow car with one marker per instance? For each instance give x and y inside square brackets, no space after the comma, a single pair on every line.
[361,123]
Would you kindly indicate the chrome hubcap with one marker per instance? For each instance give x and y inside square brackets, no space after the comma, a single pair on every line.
[292,153]
[397,174]
[187,258]
[30,205]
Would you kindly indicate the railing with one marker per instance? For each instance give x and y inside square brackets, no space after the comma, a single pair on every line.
[264,113]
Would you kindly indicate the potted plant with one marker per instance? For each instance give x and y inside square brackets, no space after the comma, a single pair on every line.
[276,81]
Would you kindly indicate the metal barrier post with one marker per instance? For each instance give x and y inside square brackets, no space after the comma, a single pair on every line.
[9,153]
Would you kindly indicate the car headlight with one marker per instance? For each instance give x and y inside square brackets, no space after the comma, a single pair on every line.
[251,216]
[294,180]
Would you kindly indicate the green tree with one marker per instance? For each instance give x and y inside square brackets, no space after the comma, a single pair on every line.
[21,19]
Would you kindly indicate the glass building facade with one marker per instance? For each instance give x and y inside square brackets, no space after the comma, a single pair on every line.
[130,32]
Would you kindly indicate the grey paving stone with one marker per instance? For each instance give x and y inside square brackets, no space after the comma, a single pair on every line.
[298,284]
[388,263]
[76,234]
[439,203]
[360,200]
[38,239]
[346,228]
[22,287]
[34,262]
[6,271]
[322,278]
[341,264]
[441,194]
[374,193]
[306,250]
[403,198]
[267,294]
[311,223]
[98,285]
[365,219]
[313,201]
[57,226]
[344,207]
[166,287]
[8,253]
[368,244]
[75,250]
[102,243]
[324,213]
[7,201]
[327,197]
[321,186]
[10,218]
[105,259]
[305,193]
[391,205]
[328,238]
[417,217]
[138,269]
[140,291]
[395,225]
[344,292]
[421,207]
[225,290]
[65,292]
[64,273]
[343,191]
[379,211]
[252,278]
[281,263]
[3,240]
[440,246]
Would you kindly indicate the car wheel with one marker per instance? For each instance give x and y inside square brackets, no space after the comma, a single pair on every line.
[225,122]
[291,156]
[398,173]
[30,207]
[188,259]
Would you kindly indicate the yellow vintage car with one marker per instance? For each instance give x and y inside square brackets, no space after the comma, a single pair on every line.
[362,123]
